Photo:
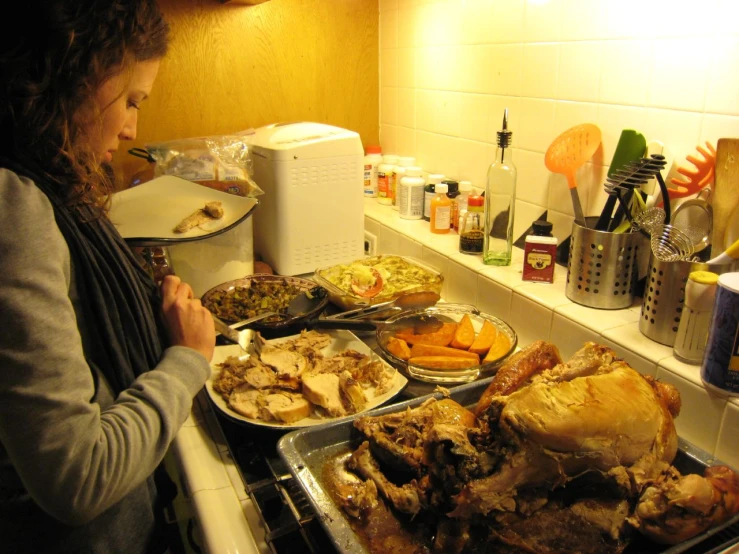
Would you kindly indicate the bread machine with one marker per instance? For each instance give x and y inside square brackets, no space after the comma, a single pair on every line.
[311,214]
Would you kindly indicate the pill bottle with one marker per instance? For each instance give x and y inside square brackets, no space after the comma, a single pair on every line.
[411,194]
[403,162]
[441,210]
[432,180]
[385,176]
[372,158]
[539,254]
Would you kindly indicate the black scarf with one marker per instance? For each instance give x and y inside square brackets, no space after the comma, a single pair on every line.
[119,299]
[120,302]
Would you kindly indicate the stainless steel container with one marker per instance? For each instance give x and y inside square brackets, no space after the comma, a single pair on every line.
[664,296]
[602,269]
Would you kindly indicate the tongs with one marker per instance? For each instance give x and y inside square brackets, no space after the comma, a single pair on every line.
[421,323]
[409,301]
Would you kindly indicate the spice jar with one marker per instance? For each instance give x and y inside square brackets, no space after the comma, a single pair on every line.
[540,251]
[472,229]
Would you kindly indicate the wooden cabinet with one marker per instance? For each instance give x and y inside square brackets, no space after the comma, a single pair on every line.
[252,2]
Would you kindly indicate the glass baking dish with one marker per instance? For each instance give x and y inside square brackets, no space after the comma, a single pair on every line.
[451,313]
[400,275]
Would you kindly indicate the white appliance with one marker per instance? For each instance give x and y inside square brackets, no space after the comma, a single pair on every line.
[311,213]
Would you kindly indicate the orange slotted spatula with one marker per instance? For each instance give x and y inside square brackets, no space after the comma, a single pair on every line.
[567,153]
[696,178]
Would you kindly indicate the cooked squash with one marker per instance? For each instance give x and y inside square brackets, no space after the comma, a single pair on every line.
[484,339]
[442,362]
[441,337]
[431,350]
[464,336]
[398,347]
[501,345]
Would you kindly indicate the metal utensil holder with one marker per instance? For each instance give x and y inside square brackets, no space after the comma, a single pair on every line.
[664,296]
[602,269]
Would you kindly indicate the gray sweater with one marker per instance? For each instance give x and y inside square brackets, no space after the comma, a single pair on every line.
[75,463]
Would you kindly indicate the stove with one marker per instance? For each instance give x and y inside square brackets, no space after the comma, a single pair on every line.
[290,524]
[289,521]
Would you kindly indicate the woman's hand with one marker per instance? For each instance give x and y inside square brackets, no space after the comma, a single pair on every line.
[188,322]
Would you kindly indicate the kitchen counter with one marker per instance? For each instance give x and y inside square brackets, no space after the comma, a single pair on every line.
[543,312]
[227,520]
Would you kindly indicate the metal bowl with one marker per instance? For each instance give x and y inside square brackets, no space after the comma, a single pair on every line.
[273,326]
[449,313]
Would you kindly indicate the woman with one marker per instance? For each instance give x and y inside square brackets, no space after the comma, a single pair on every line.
[98,367]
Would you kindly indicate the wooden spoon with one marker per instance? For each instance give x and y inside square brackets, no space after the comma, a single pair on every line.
[568,153]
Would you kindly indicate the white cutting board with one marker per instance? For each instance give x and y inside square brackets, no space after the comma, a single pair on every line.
[149,212]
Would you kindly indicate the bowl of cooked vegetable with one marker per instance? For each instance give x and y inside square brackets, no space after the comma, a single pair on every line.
[376,279]
[241,299]
[469,344]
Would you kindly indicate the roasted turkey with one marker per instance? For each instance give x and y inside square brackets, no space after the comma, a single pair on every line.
[557,457]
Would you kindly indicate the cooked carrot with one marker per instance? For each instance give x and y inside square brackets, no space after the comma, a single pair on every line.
[484,339]
[464,336]
[431,350]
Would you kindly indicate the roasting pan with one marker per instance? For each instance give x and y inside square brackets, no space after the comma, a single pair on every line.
[307,450]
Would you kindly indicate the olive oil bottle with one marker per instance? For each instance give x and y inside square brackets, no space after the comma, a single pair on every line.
[500,200]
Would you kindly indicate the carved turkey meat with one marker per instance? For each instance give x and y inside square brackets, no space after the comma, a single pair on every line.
[558,457]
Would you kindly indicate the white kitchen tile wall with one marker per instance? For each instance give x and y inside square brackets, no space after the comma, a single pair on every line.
[666,68]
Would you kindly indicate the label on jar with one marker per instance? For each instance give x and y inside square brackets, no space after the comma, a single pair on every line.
[720,369]
[410,201]
[442,218]
[383,184]
[538,262]
[427,198]
[370,180]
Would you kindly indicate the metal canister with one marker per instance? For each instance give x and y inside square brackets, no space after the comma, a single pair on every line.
[720,369]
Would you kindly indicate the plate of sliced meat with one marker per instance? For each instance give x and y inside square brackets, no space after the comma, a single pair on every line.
[301,380]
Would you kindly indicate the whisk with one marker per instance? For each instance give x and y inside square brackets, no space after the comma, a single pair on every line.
[671,244]
[649,219]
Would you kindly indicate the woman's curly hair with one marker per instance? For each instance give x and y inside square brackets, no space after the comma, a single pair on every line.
[54,56]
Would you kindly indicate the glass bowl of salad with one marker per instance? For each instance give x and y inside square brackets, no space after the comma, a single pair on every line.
[377,279]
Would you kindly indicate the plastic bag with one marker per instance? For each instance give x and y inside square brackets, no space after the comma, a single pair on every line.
[221,162]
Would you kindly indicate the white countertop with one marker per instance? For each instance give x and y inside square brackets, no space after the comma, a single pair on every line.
[227,520]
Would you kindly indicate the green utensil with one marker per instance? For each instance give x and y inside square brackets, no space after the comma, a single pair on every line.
[631,146]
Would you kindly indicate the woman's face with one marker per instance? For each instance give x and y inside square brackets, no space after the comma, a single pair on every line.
[118,101]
